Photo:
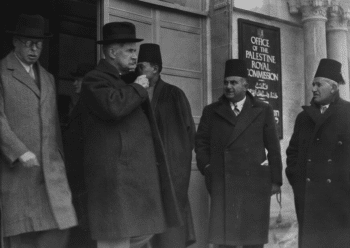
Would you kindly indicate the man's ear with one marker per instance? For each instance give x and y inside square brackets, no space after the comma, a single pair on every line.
[156,68]
[111,52]
[334,88]
[246,84]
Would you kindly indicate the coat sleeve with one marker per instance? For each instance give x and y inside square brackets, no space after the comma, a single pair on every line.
[293,151]
[185,108]
[272,145]
[202,141]
[111,101]
[11,147]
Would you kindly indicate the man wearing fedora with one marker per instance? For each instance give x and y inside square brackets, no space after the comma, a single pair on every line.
[36,203]
[73,150]
[130,191]
[318,163]
[233,136]
[177,129]
[66,103]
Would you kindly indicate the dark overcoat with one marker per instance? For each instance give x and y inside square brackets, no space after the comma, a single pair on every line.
[239,185]
[37,198]
[130,192]
[318,163]
[177,130]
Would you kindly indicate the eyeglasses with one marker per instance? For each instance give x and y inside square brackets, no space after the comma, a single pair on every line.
[30,43]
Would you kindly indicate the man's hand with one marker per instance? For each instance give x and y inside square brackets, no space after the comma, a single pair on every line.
[143,81]
[29,159]
[275,189]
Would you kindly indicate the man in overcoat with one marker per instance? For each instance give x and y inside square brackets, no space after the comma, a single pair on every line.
[36,204]
[73,150]
[233,136]
[177,129]
[130,191]
[318,163]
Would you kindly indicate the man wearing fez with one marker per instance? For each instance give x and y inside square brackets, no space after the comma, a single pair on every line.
[231,140]
[36,203]
[318,161]
[130,192]
[177,129]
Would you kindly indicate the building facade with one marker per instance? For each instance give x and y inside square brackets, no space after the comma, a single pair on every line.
[196,38]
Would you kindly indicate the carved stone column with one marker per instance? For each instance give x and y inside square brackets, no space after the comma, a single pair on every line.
[337,27]
[314,24]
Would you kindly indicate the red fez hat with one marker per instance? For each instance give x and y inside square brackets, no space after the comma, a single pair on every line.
[150,52]
[331,69]
[236,67]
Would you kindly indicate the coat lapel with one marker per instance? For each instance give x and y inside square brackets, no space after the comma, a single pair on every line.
[45,81]
[244,119]
[157,92]
[317,117]
[225,111]
[21,75]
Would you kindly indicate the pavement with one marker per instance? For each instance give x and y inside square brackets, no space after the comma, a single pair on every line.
[283,233]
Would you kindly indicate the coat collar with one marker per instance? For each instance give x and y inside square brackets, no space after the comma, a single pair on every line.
[319,119]
[314,110]
[157,92]
[21,74]
[224,109]
[250,111]
[107,68]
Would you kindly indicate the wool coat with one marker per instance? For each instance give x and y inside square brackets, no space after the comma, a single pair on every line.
[37,198]
[130,191]
[318,166]
[177,130]
[237,178]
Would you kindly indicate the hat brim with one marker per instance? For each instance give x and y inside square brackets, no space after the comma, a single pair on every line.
[45,36]
[103,42]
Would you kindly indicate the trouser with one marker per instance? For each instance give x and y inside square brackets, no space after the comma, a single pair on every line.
[80,238]
[172,238]
[51,238]
[244,246]
[134,242]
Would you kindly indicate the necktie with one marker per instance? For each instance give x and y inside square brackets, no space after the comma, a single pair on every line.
[236,109]
[31,72]
[323,109]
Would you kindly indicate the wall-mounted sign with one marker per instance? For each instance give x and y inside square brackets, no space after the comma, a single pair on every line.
[260,47]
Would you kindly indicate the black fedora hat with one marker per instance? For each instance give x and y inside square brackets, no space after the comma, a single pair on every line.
[31,26]
[236,67]
[331,69]
[82,69]
[118,32]
[150,52]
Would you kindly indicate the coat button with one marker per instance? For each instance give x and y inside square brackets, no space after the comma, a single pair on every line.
[318,139]
[340,142]
[308,180]
[330,161]
[329,180]
[309,160]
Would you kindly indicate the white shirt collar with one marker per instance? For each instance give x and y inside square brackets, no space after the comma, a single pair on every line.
[26,67]
[238,104]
